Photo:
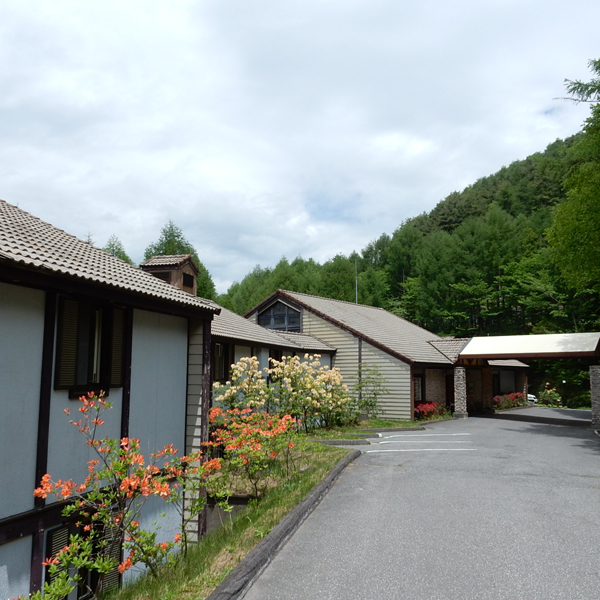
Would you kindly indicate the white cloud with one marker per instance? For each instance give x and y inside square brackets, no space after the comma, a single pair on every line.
[266,129]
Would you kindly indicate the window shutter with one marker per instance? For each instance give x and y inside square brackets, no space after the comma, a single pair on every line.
[112,579]
[66,349]
[56,540]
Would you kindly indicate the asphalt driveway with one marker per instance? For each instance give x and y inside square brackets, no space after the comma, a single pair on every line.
[469,509]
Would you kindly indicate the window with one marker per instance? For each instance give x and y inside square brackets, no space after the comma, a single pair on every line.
[280,316]
[418,388]
[58,538]
[164,275]
[90,347]
[222,359]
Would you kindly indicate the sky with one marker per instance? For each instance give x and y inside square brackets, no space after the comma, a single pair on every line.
[273,128]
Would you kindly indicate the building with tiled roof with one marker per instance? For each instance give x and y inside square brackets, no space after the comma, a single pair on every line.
[30,244]
[234,337]
[75,319]
[417,365]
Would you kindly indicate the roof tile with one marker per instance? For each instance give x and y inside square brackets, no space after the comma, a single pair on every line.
[32,243]
[394,334]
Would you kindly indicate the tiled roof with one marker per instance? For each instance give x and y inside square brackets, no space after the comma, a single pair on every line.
[507,363]
[450,347]
[234,327]
[31,243]
[375,325]
[306,342]
[171,260]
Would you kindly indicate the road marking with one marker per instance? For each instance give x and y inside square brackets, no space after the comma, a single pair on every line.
[423,434]
[422,450]
[426,442]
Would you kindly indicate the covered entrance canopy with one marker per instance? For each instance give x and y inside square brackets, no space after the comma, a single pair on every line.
[554,345]
[559,345]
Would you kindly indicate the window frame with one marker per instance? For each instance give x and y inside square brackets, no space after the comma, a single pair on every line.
[90,346]
[272,315]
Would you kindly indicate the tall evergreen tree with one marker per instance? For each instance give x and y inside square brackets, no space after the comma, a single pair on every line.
[115,247]
[575,235]
[172,241]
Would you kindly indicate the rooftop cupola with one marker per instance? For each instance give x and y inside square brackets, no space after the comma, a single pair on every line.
[177,269]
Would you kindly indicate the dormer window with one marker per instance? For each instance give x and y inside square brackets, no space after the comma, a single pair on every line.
[281,317]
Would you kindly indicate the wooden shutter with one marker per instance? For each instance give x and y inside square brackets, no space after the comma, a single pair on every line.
[66,346]
[56,540]
[112,579]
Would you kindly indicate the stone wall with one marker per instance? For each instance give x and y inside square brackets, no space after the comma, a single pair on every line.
[435,386]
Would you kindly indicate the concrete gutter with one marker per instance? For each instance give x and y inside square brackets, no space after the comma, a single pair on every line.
[235,585]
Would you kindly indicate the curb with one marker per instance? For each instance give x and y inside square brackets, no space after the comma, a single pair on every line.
[541,420]
[237,583]
[386,429]
[353,442]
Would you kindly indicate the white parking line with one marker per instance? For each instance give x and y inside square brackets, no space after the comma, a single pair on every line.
[423,434]
[425,442]
[422,450]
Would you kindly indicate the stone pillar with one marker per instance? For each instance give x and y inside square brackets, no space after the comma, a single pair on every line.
[460,393]
[595,392]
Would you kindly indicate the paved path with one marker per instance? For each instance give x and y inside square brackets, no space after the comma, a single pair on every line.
[471,509]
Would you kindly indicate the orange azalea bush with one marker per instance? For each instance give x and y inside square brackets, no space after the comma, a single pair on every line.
[108,503]
[255,445]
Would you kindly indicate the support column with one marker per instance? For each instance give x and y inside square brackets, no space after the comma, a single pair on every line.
[460,393]
[595,392]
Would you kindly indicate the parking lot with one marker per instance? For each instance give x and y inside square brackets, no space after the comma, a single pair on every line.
[469,509]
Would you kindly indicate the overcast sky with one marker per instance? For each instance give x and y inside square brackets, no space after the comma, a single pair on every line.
[275,127]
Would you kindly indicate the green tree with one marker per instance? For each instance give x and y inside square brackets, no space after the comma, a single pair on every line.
[172,241]
[338,278]
[586,91]
[575,234]
[115,247]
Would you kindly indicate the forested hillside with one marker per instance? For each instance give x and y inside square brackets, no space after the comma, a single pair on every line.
[517,252]
[479,263]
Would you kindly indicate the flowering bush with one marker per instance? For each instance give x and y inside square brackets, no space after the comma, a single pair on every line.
[246,388]
[313,394]
[429,410]
[108,504]
[548,395]
[513,400]
[254,445]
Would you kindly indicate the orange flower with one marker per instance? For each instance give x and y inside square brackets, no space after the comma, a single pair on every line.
[125,565]
[177,538]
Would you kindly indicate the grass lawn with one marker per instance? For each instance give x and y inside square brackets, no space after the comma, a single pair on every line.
[357,431]
[210,561]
